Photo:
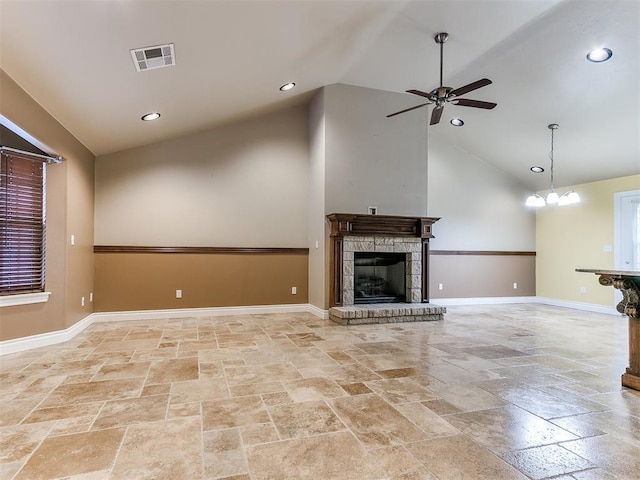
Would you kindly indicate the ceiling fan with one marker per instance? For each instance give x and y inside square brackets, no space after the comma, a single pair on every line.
[442,95]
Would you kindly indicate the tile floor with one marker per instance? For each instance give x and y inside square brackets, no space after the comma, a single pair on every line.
[491,392]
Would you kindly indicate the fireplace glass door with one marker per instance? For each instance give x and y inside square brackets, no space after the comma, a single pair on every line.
[379,277]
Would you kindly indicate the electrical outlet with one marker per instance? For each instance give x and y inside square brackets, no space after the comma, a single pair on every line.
[91,297]
[317,244]
[440,286]
[294,290]
[82,302]
[515,285]
[178,293]
[73,239]
[583,290]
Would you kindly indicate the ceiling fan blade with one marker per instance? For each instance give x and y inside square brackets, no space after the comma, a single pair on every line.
[465,102]
[408,109]
[419,92]
[471,87]
[436,115]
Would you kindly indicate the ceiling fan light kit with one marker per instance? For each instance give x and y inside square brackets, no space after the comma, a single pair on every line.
[442,95]
[568,198]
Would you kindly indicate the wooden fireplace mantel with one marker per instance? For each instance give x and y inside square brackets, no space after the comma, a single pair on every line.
[343,224]
[366,226]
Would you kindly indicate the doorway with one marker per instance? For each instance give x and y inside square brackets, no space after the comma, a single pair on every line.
[627,233]
[627,230]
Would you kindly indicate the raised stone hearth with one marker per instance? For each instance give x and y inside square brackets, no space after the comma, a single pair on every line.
[386,313]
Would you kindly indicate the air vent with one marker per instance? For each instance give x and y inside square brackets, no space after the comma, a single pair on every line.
[149,58]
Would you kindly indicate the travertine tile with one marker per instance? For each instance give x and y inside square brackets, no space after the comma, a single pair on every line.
[614,455]
[13,411]
[122,370]
[546,461]
[459,458]
[73,454]
[375,422]
[177,410]
[356,388]
[430,423]
[119,413]
[223,454]
[19,441]
[305,419]
[198,390]
[94,391]
[114,346]
[8,470]
[163,450]
[315,388]
[337,456]
[177,370]
[258,433]
[401,390]
[508,428]
[256,388]
[259,373]
[201,397]
[234,412]
[399,464]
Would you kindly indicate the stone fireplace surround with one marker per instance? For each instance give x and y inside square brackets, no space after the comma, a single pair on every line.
[352,233]
[412,247]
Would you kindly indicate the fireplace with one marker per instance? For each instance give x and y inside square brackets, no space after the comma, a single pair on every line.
[379,277]
[359,241]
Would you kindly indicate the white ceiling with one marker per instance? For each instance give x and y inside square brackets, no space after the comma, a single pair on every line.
[232,55]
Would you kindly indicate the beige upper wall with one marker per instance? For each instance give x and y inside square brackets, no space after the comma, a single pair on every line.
[372,160]
[318,284]
[360,159]
[243,185]
[573,237]
[480,207]
[69,269]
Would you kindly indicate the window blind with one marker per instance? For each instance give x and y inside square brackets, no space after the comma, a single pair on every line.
[22,221]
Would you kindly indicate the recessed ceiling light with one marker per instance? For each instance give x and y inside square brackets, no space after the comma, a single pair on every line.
[599,55]
[456,122]
[150,116]
[537,169]
[287,86]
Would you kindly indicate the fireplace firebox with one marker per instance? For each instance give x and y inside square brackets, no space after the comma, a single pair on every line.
[379,277]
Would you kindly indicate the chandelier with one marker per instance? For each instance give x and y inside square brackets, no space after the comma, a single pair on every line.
[567,198]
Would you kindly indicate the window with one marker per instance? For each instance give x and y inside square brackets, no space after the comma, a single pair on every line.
[22,221]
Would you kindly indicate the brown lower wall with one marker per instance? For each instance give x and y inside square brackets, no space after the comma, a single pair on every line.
[148,281]
[483,274]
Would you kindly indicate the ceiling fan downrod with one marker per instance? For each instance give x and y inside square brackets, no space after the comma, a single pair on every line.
[441,38]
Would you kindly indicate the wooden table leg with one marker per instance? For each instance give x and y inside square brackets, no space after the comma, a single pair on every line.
[631,378]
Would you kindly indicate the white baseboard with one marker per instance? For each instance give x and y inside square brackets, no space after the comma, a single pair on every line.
[481,301]
[204,312]
[589,307]
[44,339]
[60,336]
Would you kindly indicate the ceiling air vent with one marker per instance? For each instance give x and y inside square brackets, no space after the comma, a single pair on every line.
[149,58]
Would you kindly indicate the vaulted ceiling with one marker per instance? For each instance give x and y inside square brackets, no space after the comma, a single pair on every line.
[73,57]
